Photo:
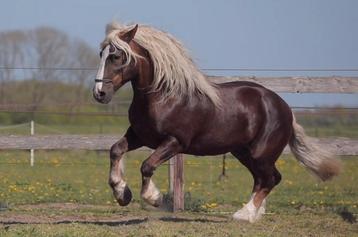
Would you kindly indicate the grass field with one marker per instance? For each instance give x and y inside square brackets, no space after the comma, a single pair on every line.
[77,182]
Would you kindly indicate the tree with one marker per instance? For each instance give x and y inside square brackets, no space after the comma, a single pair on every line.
[12,50]
[47,50]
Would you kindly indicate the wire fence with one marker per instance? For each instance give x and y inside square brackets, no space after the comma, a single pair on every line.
[204,69]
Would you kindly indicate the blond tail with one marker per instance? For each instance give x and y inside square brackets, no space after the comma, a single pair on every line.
[320,162]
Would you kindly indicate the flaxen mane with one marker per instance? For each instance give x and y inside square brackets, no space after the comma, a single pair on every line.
[175,73]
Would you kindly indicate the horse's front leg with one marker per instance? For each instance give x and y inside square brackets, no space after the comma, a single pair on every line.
[121,191]
[169,148]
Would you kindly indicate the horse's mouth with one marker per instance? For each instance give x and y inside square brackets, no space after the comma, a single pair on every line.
[103,98]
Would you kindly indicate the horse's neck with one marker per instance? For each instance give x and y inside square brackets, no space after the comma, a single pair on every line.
[142,83]
[142,86]
[143,93]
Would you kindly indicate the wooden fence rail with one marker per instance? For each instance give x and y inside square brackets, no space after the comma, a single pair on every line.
[347,85]
[339,146]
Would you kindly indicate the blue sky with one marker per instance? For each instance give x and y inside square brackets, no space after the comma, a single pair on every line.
[220,34]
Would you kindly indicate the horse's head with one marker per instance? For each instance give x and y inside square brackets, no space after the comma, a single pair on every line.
[116,66]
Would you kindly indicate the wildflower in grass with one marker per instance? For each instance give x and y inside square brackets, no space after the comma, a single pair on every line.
[209,205]
[212,205]
[280,162]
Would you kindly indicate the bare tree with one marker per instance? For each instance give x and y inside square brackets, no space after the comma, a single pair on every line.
[84,57]
[50,48]
[48,51]
[11,54]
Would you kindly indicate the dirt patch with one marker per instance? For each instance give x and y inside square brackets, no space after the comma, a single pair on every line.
[62,213]
[60,206]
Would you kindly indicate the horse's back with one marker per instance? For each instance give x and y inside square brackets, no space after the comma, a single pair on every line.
[238,84]
[249,112]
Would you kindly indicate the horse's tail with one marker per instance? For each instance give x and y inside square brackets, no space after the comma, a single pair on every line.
[320,162]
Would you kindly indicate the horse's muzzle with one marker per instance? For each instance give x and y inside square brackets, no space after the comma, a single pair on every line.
[102,96]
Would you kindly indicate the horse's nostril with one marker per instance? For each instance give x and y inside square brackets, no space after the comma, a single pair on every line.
[102,93]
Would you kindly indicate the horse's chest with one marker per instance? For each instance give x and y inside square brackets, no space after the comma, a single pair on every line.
[145,128]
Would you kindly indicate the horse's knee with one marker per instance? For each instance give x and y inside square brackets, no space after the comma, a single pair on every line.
[146,169]
[117,150]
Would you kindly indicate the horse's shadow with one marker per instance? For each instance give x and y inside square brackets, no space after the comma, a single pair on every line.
[181,219]
[135,221]
[97,222]
[347,216]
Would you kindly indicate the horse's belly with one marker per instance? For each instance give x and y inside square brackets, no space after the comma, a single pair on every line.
[215,145]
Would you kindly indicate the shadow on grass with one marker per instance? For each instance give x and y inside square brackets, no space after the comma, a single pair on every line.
[101,223]
[347,216]
[180,219]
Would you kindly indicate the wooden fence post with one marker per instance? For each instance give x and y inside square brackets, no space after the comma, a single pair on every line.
[176,182]
[32,151]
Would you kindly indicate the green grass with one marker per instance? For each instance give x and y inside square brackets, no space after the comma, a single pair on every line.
[299,205]
[81,177]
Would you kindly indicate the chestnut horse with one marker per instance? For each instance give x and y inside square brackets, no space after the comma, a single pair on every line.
[175,109]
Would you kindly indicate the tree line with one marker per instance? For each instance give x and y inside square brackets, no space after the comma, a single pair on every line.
[44,47]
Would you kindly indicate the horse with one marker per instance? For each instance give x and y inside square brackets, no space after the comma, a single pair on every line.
[176,109]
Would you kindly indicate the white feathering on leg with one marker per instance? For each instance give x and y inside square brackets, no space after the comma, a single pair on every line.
[151,194]
[118,190]
[250,212]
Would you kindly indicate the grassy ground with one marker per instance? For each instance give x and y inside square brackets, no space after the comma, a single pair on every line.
[300,205]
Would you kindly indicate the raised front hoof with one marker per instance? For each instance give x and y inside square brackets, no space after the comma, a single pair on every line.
[125,198]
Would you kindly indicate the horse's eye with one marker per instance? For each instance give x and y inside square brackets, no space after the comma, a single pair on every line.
[116,57]
[100,54]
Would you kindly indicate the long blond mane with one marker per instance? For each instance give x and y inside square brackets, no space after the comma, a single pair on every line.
[175,73]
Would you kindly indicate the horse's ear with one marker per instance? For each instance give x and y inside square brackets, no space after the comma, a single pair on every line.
[129,35]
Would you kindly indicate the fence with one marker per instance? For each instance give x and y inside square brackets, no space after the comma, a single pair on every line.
[340,146]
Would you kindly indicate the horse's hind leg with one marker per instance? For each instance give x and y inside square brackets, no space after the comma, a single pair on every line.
[120,188]
[266,176]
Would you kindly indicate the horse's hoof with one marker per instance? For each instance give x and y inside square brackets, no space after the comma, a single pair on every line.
[126,197]
[152,195]
[157,202]
[247,215]
[244,217]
